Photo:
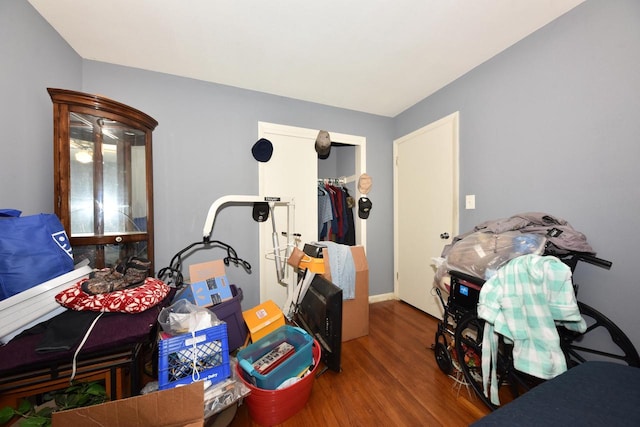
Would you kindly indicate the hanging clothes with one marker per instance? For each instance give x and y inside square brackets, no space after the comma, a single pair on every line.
[333,230]
[335,214]
[328,223]
[338,225]
[350,234]
[325,211]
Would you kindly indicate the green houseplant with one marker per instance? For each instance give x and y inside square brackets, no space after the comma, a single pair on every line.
[75,396]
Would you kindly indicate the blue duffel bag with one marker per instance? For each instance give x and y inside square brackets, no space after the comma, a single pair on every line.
[33,249]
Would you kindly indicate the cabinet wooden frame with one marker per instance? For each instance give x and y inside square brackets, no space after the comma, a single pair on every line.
[136,126]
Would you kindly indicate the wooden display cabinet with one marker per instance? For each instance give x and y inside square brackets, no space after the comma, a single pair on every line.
[103,177]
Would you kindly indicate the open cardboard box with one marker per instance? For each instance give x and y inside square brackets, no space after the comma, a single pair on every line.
[355,312]
[175,407]
[209,284]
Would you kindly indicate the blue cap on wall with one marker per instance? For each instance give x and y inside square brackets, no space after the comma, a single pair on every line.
[262,150]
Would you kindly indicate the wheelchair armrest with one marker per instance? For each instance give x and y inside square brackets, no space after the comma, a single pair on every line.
[469,278]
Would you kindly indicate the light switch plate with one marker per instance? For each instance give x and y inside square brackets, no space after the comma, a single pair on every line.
[470,201]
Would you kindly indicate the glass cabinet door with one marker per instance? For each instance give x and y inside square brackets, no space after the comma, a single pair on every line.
[103,177]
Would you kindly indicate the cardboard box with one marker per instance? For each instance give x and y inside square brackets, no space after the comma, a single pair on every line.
[209,284]
[355,312]
[263,319]
[176,407]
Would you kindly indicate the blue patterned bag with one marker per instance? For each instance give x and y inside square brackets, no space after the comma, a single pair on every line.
[33,249]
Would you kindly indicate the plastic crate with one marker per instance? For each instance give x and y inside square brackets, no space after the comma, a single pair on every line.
[209,349]
[292,367]
[231,312]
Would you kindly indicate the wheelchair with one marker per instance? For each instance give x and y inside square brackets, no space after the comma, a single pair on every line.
[458,338]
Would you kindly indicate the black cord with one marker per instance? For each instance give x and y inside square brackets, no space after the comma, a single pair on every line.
[172,275]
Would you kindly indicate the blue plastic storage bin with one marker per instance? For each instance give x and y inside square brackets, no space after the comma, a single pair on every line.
[208,348]
[292,367]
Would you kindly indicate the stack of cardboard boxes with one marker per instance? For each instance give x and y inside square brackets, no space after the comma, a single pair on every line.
[355,312]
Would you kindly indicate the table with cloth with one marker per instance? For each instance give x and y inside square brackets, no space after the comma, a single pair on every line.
[40,359]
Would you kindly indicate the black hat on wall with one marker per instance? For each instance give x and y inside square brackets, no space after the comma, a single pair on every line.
[364,207]
[262,150]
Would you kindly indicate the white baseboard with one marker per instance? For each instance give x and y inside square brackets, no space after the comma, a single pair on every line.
[382,297]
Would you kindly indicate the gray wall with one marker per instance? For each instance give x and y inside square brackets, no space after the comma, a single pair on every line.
[548,125]
[552,125]
[201,145]
[32,58]
[202,151]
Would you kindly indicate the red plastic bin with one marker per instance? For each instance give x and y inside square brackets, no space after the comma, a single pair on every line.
[271,407]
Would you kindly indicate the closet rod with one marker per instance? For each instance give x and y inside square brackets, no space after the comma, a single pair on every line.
[333,181]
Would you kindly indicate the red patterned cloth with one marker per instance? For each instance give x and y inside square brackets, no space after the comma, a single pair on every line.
[134,300]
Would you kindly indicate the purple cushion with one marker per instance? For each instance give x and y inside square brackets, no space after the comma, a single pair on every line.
[113,331]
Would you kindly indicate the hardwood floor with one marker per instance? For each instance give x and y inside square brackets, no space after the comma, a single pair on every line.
[389,378]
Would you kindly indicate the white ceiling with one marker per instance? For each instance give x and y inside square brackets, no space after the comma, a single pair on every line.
[374,56]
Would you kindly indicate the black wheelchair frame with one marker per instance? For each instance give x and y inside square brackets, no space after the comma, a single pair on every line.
[458,339]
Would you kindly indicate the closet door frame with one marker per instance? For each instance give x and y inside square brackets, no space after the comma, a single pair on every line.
[304,136]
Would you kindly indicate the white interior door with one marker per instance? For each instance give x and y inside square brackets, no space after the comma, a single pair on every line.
[425,207]
[292,172]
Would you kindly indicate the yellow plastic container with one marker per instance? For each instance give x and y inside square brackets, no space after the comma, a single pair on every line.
[263,319]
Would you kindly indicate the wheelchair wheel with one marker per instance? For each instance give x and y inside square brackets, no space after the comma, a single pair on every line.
[468,343]
[603,340]
[443,357]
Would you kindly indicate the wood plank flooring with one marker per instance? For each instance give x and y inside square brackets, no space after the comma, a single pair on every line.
[388,378]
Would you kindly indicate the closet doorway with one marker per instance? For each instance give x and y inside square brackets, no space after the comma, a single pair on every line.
[292,172]
[425,208]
